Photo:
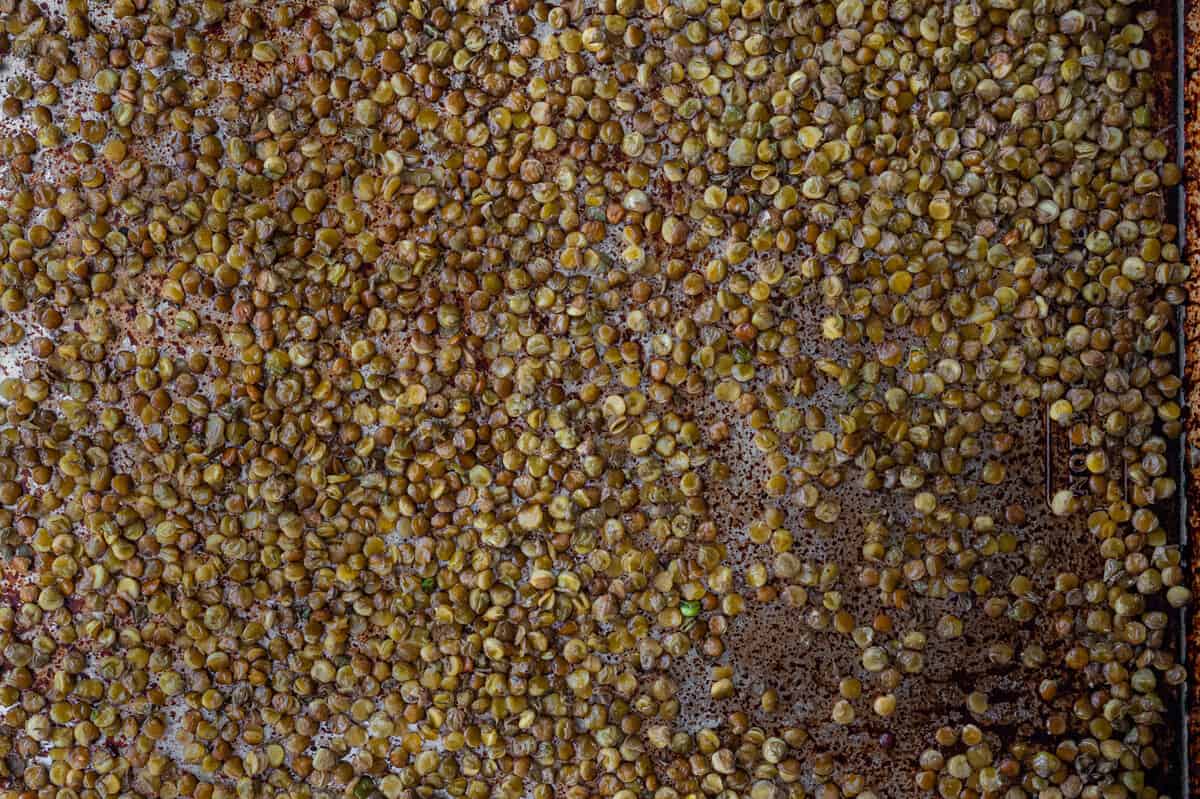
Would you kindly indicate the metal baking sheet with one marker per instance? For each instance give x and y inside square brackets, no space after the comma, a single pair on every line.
[1178,60]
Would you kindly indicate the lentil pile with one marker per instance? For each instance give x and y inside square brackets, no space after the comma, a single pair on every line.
[620,398]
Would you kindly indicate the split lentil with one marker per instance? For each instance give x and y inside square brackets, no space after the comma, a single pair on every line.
[589,398]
